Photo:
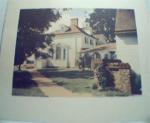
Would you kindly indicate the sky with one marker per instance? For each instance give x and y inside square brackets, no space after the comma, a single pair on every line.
[81,14]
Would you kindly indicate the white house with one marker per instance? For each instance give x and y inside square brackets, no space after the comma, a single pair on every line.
[71,42]
[126,38]
[68,43]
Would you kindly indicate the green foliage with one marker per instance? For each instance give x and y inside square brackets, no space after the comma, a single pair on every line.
[105,77]
[37,19]
[32,24]
[102,76]
[136,83]
[103,21]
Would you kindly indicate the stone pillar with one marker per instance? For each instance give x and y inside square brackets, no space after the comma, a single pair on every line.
[123,80]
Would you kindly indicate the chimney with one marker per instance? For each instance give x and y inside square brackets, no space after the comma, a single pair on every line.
[74,22]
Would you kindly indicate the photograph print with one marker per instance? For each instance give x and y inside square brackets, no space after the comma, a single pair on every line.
[71,52]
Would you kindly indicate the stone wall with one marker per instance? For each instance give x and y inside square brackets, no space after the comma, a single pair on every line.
[122,76]
[122,80]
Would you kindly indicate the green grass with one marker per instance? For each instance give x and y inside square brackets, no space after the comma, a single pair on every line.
[35,91]
[85,86]
[75,85]
[78,81]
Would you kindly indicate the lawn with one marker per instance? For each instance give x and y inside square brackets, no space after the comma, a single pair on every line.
[74,80]
[23,85]
[77,81]
[34,91]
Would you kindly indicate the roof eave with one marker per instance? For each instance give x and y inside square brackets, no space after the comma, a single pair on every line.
[125,31]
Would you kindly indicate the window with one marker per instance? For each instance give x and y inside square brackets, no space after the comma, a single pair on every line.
[97,55]
[86,40]
[106,56]
[58,53]
[91,42]
[97,43]
[113,55]
[64,54]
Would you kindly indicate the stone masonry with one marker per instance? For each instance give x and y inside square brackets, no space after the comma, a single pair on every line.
[122,80]
[122,76]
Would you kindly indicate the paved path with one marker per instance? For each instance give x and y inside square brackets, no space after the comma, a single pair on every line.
[51,89]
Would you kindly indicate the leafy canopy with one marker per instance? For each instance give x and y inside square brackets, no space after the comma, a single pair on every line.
[103,21]
[30,36]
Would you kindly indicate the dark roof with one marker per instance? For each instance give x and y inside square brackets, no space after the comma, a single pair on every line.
[125,21]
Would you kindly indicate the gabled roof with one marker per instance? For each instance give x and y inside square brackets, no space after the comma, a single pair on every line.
[85,33]
[74,31]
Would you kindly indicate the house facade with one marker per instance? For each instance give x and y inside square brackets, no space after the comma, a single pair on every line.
[72,42]
[68,43]
[126,38]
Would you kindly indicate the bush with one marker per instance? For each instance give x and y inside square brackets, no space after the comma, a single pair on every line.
[60,83]
[95,86]
[136,83]
[101,75]
[105,78]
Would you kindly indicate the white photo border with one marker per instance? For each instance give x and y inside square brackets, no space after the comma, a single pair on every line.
[63,109]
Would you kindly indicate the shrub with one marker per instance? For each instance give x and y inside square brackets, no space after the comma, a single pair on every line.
[101,75]
[105,77]
[60,83]
[95,86]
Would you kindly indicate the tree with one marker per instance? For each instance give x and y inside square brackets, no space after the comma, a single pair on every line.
[103,21]
[30,36]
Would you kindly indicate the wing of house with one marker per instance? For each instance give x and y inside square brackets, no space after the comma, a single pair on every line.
[126,38]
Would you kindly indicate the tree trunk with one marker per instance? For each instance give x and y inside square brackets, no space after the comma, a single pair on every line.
[19,67]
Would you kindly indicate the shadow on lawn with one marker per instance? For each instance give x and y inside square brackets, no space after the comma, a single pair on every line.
[23,79]
[23,85]
[71,74]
